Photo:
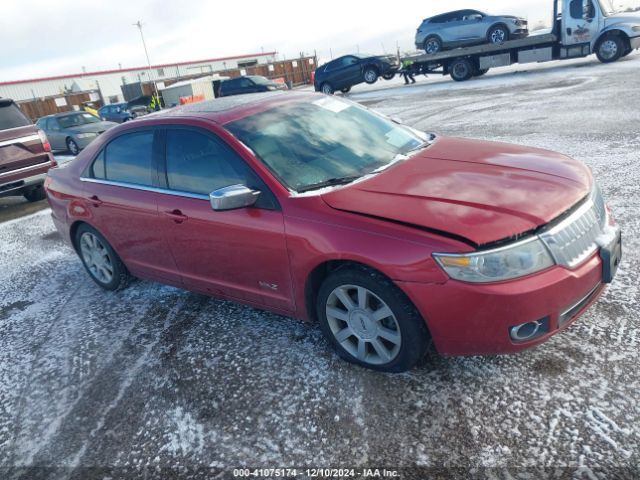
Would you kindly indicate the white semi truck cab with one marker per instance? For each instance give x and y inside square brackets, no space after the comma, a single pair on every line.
[580,28]
[593,26]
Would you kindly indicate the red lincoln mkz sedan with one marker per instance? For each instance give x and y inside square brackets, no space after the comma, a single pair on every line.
[318,208]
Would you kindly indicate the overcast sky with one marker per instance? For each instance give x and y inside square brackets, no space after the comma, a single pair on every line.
[51,37]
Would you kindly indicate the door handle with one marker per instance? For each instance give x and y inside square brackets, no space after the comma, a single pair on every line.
[176,215]
[569,31]
[95,201]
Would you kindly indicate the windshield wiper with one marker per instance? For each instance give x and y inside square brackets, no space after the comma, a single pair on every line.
[425,144]
[332,182]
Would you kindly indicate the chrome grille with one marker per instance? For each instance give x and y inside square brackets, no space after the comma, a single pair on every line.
[575,238]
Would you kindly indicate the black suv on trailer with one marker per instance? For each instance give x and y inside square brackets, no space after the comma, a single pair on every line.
[25,154]
[343,73]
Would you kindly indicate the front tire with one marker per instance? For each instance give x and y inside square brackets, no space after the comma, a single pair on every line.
[498,34]
[100,260]
[72,146]
[371,75]
[610,49]
[370,322]
[461,69]
[327,88]
[389,75]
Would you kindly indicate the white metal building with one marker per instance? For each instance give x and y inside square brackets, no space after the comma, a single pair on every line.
[109,81]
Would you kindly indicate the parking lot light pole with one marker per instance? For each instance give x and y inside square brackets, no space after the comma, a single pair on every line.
[144,44]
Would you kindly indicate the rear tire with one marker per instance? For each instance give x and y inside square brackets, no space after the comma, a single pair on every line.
[100,261]
[327,88]
[479,73]
[72,146]
[461,69]
[346,90]
[35,194]
[610,49]
[370,322]
[389,76]
[432,45]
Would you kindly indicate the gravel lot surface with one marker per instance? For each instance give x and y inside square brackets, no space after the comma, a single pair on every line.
[155,382]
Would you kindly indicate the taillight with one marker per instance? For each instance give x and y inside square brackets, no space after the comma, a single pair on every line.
[45,141]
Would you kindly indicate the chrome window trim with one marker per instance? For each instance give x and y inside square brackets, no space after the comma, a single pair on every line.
[144,188]
[26,138]
[25,169]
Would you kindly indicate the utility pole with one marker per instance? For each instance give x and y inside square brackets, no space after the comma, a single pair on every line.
[155,85]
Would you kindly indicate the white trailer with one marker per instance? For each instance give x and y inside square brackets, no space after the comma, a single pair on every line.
[581,28]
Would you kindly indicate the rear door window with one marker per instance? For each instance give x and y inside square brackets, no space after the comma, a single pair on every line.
[128,159]
[11,116]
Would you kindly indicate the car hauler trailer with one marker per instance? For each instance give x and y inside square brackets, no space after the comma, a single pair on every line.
[581,28]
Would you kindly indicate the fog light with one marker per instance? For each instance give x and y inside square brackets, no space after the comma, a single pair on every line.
[529,331]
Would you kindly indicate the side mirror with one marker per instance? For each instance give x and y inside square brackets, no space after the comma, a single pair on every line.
[233,198]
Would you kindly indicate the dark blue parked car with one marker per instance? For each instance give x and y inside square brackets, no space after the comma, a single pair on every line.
[343,73]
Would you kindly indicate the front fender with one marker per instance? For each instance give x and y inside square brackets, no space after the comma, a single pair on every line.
[625,28]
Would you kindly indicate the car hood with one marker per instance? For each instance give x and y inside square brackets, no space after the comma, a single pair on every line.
[509,17]
[482,192]
[623,17]
[97,127]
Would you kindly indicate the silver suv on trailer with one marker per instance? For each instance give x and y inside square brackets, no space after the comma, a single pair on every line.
[467,27]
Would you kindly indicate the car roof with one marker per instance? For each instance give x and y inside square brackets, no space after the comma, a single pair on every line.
[453,12]
[64,114]
[227,109]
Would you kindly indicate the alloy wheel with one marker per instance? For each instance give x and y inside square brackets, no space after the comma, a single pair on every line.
[498,35]
[370,76]
[363,324]
[432,46]
[96,257]
[73,147]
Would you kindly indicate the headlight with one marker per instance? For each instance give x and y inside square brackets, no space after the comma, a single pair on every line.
[87,135]
[517,260]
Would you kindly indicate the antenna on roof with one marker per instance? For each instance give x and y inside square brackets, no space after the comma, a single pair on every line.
[155,85]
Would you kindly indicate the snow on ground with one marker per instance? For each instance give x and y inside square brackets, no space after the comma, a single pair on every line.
[156,378]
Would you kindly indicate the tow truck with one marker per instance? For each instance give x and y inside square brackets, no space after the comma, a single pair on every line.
[580,28]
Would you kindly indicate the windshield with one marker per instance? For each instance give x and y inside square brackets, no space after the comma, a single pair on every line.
[607,7]
[261,80]
[69,121]
[317,143]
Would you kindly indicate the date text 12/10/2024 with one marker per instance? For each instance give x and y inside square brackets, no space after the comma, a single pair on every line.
[315,473]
